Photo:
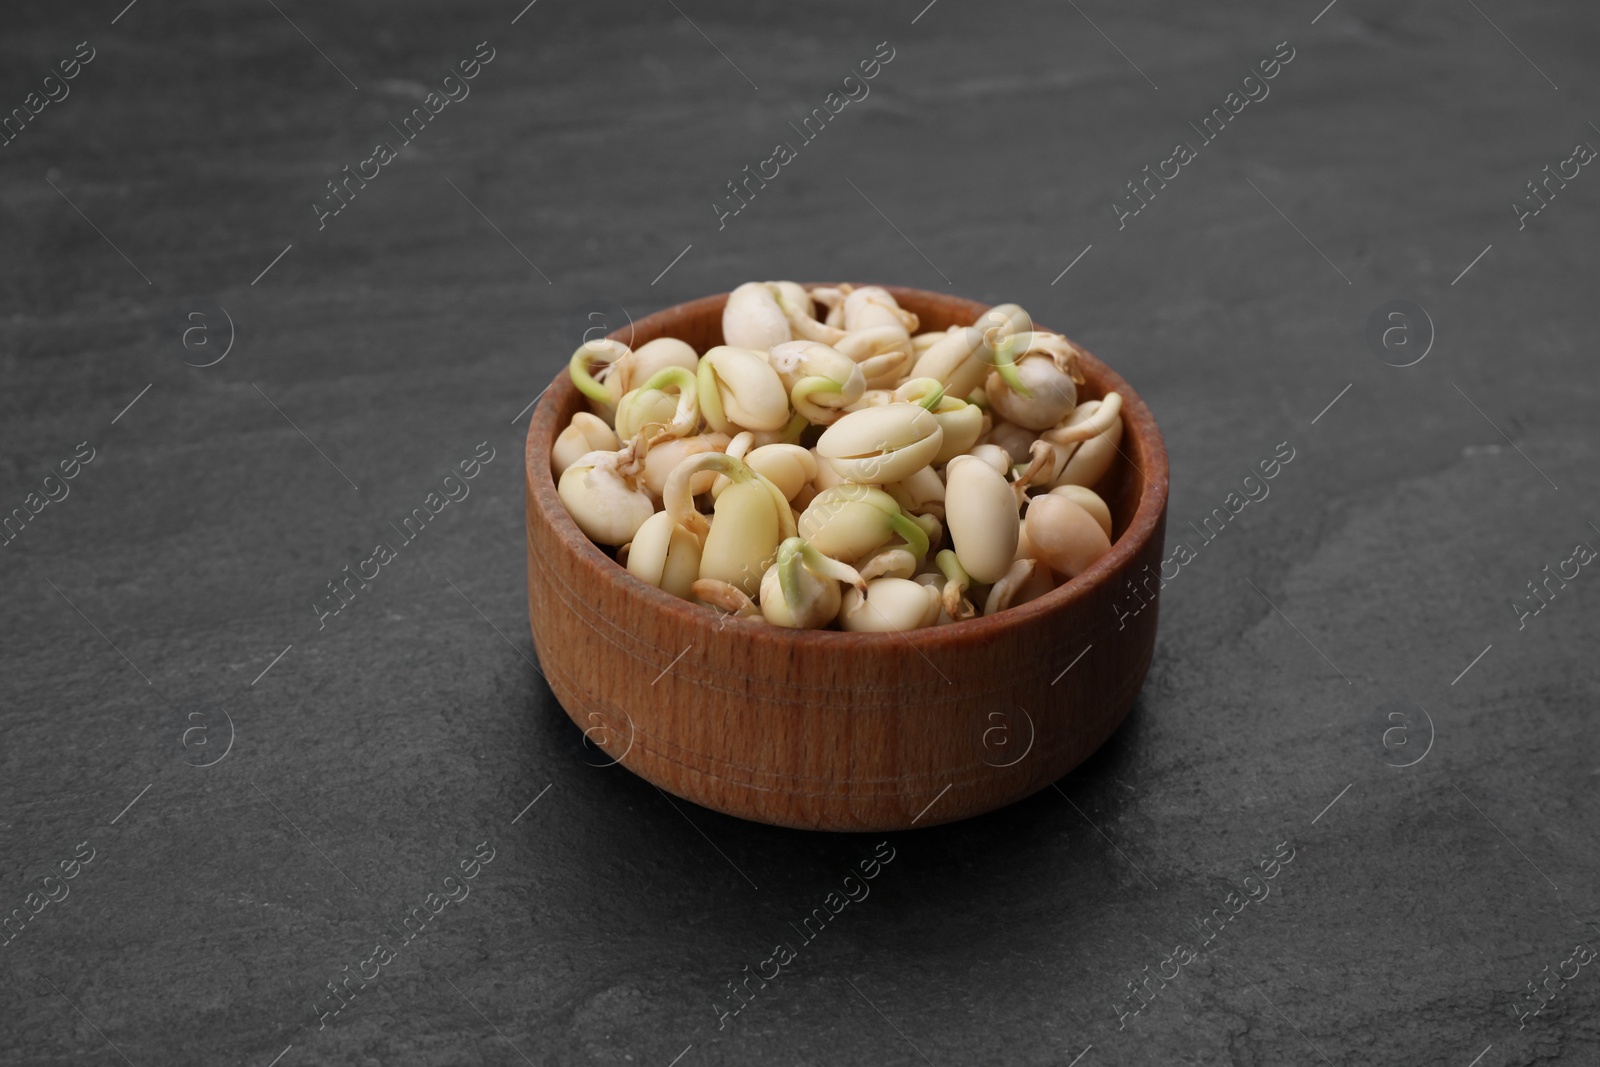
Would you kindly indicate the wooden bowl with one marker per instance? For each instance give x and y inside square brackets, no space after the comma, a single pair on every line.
[828,730]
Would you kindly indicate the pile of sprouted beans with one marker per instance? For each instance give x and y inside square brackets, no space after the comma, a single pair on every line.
[842,470]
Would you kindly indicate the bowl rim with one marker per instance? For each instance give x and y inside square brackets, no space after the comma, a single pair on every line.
[1142,527]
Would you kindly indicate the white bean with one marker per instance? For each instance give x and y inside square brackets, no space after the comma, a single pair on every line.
[753,319]
[1065,535]
[890,604]
[884,444]
[981,516]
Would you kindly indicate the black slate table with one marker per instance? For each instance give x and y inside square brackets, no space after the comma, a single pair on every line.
[263,293]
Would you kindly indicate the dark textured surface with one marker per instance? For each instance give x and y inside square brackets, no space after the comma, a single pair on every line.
[380,750]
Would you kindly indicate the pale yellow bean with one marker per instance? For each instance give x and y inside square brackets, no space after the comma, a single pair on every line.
[1024,580]
[1054,393]
[592,366]
[1089,501]
[639,408]
[832,298]
[817,608]
[890,604]
[678,500]
[981,516]
[801,589]
[803,322]
[790,467]
[955,360]
[1016,440]
[753,319]
[584,434]
[608,505]
[872,398]
[1025,549]
[995,456]
[889,563]
[665,555]
[871,306]
[878,445]
[739,390]
[743,538]
[848,522]
[962,423]
[826,477]
[652,357]
[963,357]
[921,342]
[821,380]
[660,458]
[1065,535]
[921,493]
[883,352]
[1092,459]
[1082,425]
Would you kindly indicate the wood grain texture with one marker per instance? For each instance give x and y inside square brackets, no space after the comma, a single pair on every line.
[839,731]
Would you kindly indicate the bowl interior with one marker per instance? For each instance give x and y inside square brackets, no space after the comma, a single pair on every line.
[1134,488]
